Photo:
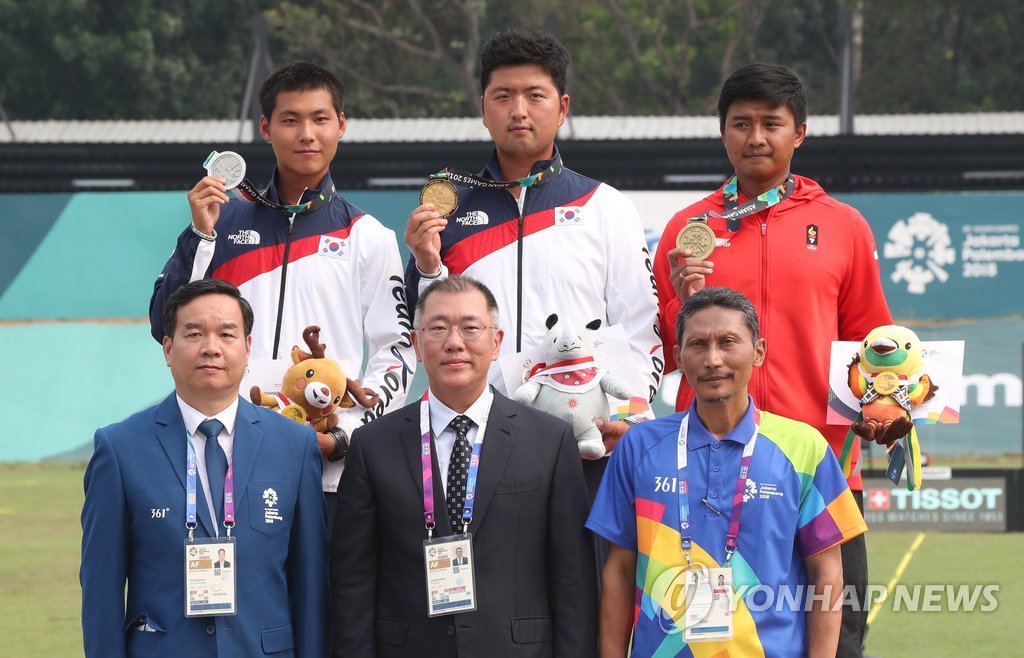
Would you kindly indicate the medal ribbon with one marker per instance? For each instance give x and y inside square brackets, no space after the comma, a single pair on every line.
[734,212]
[475,180]
[246,190]
[428,470]
[569,365]
[732,536]
[191,492]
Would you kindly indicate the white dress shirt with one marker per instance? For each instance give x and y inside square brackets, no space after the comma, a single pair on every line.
[441,416]
[191,417]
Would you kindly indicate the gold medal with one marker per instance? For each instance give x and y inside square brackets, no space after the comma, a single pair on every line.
[886,383]
[698,237]
[442,194]
[295,412]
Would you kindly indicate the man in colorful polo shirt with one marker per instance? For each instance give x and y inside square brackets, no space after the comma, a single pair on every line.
[722,489]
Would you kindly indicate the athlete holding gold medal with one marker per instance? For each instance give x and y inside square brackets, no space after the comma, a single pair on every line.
[807,262]
[542,237]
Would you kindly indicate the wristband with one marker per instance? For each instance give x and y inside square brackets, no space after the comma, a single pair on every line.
[440,269]
[208,238]
[340,444]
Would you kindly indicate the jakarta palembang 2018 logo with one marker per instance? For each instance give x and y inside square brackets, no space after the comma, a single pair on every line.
[923,250]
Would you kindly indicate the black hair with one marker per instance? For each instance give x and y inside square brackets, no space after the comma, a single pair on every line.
[764,82]
[724,297]
[517,47]
[190,291]
[300,76]
[457,284]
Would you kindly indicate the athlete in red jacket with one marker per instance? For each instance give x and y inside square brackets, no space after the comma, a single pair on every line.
[807,262]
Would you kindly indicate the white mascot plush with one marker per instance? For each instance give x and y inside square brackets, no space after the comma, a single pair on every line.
[570,384]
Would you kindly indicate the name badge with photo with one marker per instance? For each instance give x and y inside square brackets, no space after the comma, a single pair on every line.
[451,583]
[210,568]
[709,613]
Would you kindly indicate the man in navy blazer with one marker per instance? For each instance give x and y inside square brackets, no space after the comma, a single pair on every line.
[134,517]
[532,559]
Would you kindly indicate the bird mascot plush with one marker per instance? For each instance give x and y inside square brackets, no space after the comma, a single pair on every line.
[886,377]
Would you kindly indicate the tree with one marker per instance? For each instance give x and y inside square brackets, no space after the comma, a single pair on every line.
[398,57]
[104,59]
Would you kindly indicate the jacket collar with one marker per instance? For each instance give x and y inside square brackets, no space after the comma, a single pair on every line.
[493,170]
[272,193]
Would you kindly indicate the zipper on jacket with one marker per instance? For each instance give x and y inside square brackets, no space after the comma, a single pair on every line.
[762,373]
[284,277]
[519,278]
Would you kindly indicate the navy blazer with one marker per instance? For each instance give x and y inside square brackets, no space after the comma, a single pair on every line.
[133,530]
[534,562]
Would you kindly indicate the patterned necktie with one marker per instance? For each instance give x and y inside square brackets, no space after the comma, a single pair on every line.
[458,470]
[216,463]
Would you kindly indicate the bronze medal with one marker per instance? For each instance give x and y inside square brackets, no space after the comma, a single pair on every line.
[442,194]
[698,237]
[886,383]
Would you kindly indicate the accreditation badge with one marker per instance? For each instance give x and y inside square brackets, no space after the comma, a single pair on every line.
[711,607]
[210,568]
[451,583]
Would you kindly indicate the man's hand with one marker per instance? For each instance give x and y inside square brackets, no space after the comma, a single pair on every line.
[616,605]
[326,444]
[205,199]
[423,235]
[611,432]
[825,616]
[686,274]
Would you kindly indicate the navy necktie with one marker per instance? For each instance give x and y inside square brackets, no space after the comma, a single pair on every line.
[458,470]
[216,464]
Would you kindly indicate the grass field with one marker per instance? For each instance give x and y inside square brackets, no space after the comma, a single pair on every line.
[40,597]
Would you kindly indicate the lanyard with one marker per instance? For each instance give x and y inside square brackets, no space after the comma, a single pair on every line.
[428,471]
[734,211]
[249,192]
[191,492]
[732,536]
[474,180]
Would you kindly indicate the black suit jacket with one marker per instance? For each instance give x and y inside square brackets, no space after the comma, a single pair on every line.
[535,580]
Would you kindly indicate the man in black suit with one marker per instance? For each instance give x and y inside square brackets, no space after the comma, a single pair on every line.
[531,559]
[460,560]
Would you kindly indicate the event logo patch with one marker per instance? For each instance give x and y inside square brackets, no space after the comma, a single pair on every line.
[270,512]
[751,491]
[923,250]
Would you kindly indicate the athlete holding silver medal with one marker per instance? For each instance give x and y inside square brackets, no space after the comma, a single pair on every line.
[301,252]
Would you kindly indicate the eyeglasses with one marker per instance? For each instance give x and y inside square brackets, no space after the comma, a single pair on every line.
[469,332]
